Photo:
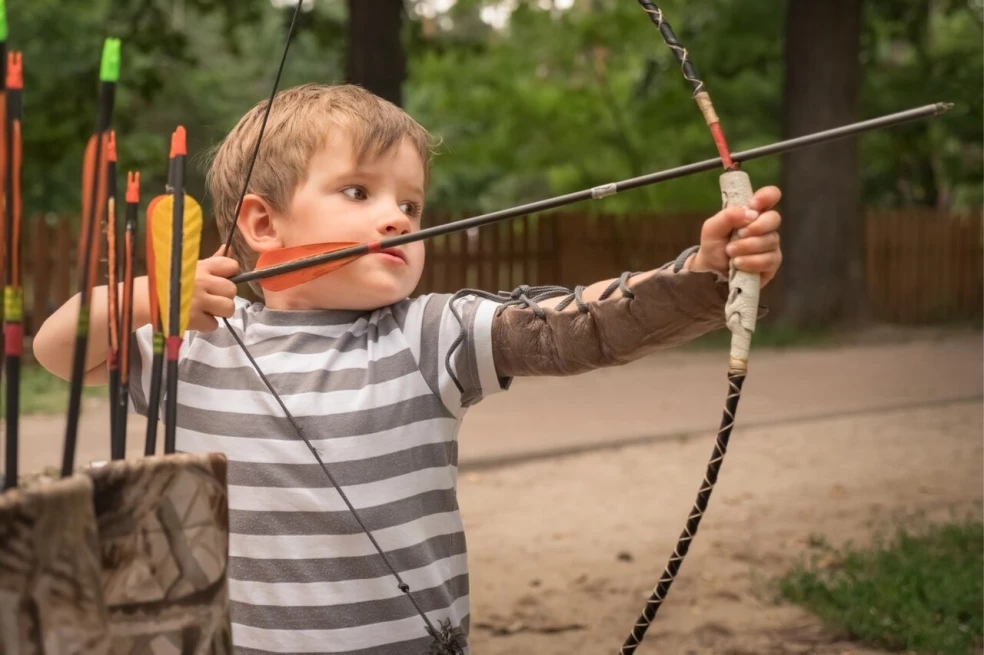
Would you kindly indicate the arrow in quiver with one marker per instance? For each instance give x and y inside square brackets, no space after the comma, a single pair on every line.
[13,294]
[126,306]
[176,228]
[94,173]
[117,442]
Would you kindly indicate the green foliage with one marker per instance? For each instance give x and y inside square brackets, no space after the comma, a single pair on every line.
[199,63]
[917,53]
[43,393]
[920,592]
[564,100]
[557,100]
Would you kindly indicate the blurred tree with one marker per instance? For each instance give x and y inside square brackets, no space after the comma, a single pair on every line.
[822,278]
[376,58]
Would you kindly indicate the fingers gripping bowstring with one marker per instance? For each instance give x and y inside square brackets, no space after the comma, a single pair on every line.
[445,639]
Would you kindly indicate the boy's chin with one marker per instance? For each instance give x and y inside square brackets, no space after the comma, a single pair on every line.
[358,295]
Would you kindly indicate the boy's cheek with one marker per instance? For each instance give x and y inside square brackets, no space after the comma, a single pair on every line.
[416,254]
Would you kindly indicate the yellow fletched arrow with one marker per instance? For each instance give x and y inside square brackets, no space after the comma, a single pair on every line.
[161,226]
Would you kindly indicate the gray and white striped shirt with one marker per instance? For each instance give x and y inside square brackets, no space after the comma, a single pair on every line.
[372,393]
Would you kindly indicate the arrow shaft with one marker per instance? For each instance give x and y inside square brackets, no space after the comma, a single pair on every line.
[87,259]
[13,303]
[602,191]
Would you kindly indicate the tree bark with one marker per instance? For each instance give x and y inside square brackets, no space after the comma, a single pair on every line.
[822,276]
[376,59]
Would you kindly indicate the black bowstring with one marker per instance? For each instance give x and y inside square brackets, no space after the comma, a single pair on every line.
[447,636]
[266,115]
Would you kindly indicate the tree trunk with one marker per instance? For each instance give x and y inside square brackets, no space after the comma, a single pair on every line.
[376,59]
[822,276]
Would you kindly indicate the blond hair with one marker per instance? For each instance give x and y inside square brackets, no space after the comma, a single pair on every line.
[298,125]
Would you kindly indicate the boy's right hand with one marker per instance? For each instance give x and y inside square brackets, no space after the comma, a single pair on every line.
[214,293]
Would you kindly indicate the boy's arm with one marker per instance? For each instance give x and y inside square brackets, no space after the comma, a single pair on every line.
[619,321]
[663,308]
[54,344]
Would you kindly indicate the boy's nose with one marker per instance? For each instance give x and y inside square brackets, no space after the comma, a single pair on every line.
[395,224]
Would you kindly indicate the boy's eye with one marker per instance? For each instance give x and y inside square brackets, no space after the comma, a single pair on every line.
[411,209]
[355,193]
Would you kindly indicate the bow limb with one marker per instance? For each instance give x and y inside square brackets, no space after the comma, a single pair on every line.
[740,313]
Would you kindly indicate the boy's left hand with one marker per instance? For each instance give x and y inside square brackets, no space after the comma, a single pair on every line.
[756,250]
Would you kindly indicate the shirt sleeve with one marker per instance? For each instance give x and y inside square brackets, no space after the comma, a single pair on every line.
[142,361]
[142,356]
[454,348]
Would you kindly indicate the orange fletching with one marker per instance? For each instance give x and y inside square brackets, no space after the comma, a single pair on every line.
[88,172]
[295,278]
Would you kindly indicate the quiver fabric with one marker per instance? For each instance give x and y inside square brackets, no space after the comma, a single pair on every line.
[163,527]
[129,557]
[51,595]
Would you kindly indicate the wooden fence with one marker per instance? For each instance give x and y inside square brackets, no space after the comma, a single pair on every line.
[920,266]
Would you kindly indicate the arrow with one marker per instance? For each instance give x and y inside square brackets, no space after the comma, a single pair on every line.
[126,318]
[274,264]
[117,446]
[93,203]
[13,296]
[176,248]
[157,366]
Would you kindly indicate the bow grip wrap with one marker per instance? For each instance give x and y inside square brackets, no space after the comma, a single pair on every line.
[741,309]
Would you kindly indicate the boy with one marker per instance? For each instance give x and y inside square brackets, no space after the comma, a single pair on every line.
[378,382]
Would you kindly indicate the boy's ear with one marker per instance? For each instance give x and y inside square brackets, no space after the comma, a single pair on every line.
[258,225]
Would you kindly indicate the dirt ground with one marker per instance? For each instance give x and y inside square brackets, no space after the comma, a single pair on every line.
[574,491]
[565,551]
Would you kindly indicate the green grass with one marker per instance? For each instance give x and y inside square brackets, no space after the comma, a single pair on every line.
[919,591]
[767,335]
[43,393]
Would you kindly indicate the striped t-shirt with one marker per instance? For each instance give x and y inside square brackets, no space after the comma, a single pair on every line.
[372,393]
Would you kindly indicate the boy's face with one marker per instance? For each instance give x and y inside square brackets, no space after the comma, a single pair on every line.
[342,200]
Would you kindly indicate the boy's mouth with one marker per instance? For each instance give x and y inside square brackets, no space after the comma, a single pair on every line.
[395,253]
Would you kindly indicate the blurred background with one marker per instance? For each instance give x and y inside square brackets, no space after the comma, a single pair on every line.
[864,404]
[533,98]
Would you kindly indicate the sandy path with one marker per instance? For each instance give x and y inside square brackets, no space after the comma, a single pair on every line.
[576,544]
[671,393]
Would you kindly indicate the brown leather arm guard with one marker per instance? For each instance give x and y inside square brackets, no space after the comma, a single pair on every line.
[669,308]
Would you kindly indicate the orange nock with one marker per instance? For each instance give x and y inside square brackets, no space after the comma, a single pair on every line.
[111,146]
[133,186]
[179,142]
[15,70]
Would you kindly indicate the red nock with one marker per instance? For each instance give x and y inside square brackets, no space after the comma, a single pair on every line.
[178,142]
[111,146]
[133,186]
[15,70]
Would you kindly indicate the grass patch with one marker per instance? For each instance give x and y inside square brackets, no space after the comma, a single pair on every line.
[920,591]
[43,393]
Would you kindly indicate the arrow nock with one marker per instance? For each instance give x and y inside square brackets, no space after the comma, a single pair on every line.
[179,142]
[109,66]
[133,186]
[15,70]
